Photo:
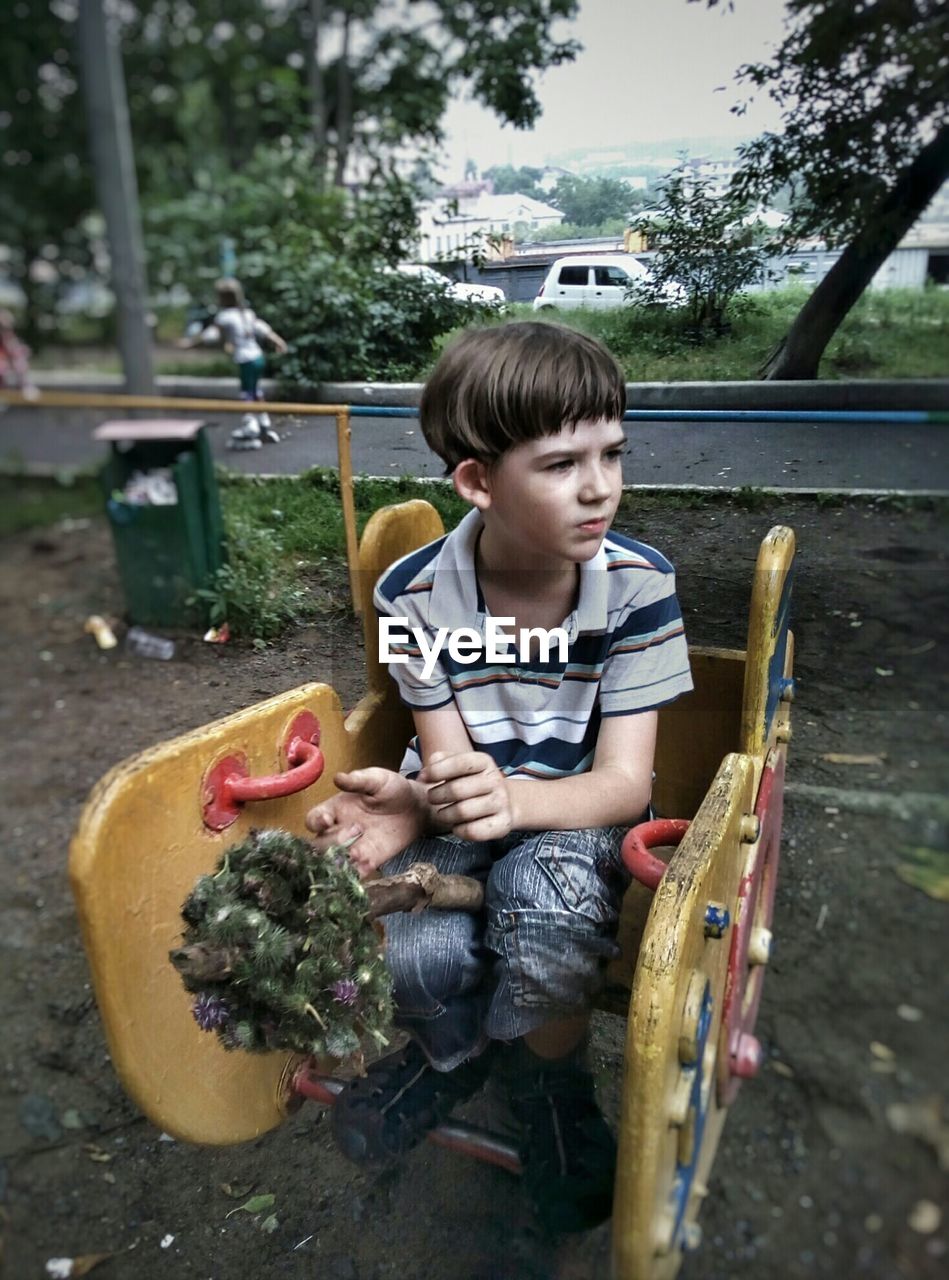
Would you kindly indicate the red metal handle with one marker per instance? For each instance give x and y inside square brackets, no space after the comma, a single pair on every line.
[306,761]
[645,868]
[227,786]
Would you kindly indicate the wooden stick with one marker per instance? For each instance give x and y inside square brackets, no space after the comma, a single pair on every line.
[421,887]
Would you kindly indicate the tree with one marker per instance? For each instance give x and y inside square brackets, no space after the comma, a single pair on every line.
[706,250]
[394,73]
[508,180]
[863,87]
[590,201]
[45,185]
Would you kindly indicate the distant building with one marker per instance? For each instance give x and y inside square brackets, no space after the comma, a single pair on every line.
[717,173]
[452,226]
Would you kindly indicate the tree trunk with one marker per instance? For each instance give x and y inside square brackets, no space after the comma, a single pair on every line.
[344,106]
[317,94]
[799,354]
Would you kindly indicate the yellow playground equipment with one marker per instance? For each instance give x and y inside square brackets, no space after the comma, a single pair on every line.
[695,932]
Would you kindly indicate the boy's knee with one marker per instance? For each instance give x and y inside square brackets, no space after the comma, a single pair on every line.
[575,872]
[431,958]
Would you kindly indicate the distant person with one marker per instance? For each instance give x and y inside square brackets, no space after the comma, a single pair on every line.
[241,331]
[14,359]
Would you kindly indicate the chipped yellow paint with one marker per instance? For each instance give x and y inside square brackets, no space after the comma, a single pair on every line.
[705,868]
[141,844]
[775,560]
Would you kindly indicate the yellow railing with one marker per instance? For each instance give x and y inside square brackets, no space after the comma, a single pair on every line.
[195,404]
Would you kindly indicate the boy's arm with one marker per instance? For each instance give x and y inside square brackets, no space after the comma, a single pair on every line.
[468,794]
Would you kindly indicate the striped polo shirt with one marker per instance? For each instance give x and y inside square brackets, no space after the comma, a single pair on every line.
[626,652]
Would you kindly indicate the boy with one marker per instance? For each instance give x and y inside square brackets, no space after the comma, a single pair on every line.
[524,772]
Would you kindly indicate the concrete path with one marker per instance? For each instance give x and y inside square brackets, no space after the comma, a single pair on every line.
[847,456]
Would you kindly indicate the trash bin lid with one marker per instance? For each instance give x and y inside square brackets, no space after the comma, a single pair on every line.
[149,429]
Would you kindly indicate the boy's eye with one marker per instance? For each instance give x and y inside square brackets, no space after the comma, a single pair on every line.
[614,455]
[563,465]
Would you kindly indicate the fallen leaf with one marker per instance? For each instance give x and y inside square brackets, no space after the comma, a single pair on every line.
[843,757]
[238,1191]
[270,1224]
[928,870]
[256,1204]
[909,1013]
[925,1217]
[96,1153]
[71,1119]
[922,1119]
[881,1051]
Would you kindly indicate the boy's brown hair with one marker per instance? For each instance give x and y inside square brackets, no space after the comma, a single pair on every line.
[498,386]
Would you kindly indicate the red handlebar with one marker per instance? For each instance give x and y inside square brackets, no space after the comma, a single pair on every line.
[645,868]
[306,761]
[227,786]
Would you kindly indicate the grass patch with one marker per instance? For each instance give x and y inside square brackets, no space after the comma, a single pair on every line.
[890,333]
[33,503]
[286,542]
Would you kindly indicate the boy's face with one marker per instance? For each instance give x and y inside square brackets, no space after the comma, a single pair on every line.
[556,497]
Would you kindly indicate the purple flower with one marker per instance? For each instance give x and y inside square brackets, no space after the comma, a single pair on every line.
[345,991]
[210,1012]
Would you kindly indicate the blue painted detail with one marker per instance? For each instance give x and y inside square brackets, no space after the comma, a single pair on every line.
[702,1086]
[776,676]
[788,685]
[717,920]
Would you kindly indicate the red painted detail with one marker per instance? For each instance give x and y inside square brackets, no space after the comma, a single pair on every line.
[228,786]
[754,909]
[220,809]
[746,1060]
[467,1140]
[643,866]
[310,1084]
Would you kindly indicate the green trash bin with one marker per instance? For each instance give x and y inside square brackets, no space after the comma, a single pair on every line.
[165,552]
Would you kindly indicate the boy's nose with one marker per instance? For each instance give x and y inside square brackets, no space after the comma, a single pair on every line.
[596,484]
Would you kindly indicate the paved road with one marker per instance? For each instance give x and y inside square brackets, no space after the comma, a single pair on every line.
[786,455]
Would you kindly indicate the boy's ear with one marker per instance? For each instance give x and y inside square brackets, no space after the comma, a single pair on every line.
[471,482]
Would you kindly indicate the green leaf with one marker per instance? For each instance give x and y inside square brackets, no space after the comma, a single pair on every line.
[927,869]
[256,1204]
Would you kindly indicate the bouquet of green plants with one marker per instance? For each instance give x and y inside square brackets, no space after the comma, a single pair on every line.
[280,950]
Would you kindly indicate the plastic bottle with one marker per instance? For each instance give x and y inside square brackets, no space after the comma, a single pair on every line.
[144,645]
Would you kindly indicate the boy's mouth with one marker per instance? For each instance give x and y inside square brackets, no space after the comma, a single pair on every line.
[594,526]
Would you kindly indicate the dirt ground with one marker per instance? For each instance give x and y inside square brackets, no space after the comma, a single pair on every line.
[813,1176]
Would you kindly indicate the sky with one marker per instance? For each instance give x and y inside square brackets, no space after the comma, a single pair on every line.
[649,69]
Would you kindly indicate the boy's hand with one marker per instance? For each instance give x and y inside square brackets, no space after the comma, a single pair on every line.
[378,809]
[469,793]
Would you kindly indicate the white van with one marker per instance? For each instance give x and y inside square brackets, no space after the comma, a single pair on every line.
[590,280]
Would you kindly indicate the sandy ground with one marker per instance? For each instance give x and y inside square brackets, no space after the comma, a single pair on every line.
[813,1176]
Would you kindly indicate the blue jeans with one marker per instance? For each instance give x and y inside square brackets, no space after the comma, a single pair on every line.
[552,902]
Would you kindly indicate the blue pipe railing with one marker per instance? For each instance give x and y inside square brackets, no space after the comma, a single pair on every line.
[903,417]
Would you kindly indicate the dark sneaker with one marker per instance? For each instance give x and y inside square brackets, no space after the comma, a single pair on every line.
[388,1111]
[567,1149]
